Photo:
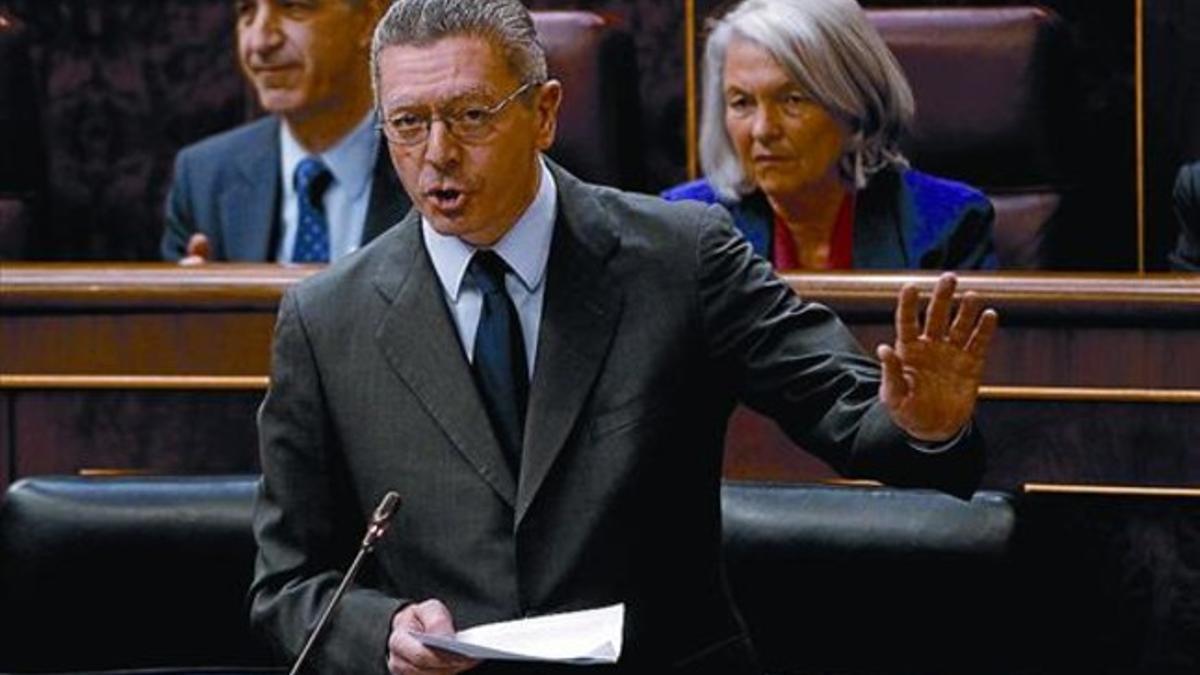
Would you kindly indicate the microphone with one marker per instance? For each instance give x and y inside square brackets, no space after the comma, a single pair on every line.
[375,529]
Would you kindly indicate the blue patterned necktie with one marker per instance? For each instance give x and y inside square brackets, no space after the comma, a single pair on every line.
[498,364]
[311,180]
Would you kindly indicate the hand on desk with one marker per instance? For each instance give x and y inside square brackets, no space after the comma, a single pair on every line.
[406,655]
[931,377]
[198,251]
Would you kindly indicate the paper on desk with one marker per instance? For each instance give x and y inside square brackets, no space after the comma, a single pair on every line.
[588,637]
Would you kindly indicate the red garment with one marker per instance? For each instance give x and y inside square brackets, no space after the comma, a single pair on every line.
[841,244]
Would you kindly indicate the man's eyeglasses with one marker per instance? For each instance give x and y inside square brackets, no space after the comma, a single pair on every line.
[468,123]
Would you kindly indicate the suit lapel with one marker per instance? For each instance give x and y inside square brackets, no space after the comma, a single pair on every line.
[248,207]
[580,315]
[421,343]
[388,202]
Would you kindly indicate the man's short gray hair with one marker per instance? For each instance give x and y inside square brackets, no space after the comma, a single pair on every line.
[838,59]
[504,22]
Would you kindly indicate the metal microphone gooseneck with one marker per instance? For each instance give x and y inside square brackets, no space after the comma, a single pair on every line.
[375,529]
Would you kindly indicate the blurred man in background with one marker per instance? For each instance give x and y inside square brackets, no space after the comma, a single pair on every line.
[310,182]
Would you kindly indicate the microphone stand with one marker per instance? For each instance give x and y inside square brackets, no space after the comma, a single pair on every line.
[378,525]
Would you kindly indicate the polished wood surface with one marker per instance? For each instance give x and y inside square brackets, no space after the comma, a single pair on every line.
[140,319]
[46,287]
[1107,331]
[1091,379]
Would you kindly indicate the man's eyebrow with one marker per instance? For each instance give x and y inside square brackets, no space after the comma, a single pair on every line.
[402,103]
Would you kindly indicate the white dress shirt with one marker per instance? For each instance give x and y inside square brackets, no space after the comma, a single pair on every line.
[352,163]
[526,248]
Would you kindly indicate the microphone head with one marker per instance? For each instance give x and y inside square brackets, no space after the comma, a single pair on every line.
[386,509]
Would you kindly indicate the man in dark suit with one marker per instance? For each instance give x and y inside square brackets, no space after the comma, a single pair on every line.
[543,369]
[310,182]
[1186,256]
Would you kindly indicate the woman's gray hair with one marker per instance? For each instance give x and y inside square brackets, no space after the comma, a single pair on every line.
[504,22]
[837,58]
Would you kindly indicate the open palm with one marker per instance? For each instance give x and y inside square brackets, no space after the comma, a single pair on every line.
[931,375]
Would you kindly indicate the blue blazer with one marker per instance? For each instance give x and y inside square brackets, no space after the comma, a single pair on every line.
[227,186]
[902,220]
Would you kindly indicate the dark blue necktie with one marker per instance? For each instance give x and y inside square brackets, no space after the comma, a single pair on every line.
[312,236]
[498,362]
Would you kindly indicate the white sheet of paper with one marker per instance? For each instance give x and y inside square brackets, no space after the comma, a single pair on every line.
[587,637]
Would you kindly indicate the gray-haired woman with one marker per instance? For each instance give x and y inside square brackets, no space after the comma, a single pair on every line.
[803,110]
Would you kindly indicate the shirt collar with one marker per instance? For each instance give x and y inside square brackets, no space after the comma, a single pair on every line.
[525,247]
[351,160]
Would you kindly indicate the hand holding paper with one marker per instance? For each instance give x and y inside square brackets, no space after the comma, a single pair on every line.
[587,637]
[406,655]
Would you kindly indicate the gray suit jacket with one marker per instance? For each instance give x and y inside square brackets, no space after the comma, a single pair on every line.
[227,187]
[657,318]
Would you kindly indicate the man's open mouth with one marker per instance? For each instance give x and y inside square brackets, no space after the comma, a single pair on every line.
[445,198]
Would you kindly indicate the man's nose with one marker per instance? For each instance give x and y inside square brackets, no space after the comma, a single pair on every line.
[441,148]
[262,32]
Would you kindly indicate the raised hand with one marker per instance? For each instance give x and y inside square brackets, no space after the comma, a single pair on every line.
[931,376]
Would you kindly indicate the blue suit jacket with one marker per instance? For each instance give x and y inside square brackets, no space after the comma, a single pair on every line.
[227,186]
[902,220]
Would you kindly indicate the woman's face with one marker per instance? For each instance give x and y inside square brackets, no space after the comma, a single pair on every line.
[787,143]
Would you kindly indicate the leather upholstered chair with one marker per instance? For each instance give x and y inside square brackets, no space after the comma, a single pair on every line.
[989,110]
[127,573]
[838,579]
[598,125]
[151,573]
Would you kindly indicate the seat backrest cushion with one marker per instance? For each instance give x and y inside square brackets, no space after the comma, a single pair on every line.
[990,110]
[152,572]
[598,123]
[870,579]
[982,78]
[126,573]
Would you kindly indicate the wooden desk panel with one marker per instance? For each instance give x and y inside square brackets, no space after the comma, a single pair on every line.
[136,367]
[1076,442]
[140,319]
[154,367]
[67,431]
[140,343]
[1109,331]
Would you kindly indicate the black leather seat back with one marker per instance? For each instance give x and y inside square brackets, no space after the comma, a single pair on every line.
[152,573]
[868,580]
[122,573]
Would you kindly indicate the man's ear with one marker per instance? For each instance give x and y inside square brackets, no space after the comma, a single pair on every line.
[549,97]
